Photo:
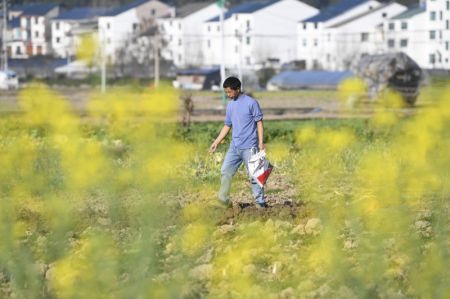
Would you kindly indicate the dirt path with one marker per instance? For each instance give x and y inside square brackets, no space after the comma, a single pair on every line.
[209,106]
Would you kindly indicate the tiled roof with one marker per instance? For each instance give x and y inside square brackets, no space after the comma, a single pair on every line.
[249,7]
[82,13]
[366,13]
[190,8]
[409,13]
[34,9]
[308,79]
[121,9]
[334,10]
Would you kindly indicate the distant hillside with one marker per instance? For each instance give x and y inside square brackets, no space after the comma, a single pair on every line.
[109,3]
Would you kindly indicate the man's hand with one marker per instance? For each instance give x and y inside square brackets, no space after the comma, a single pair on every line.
[213,147]
[261,146]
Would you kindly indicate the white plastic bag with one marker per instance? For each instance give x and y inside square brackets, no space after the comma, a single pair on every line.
[259,167]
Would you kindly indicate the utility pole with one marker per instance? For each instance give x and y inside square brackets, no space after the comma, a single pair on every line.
[5,24]
[156,49]
[221,4]
[103,59]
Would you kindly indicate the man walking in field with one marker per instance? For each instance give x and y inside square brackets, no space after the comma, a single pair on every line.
[245,118]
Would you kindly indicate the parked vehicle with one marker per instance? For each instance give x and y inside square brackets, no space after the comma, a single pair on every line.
[8,80]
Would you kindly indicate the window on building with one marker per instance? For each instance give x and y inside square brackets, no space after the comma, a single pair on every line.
[57,25]
[18,51]
[135,26]
[448,5]
[236,32]
[236,17]
[305,42]
[384,14]
[248,40]
[440,34]
[248,23]
[391,26]
[316,42]
[208,43]
[209,28]
[153,12]
[328,57]
[170,23]
[432,34]
[404,25]
[58,40]
[391,43]
[440,15]
[218,28]
[179,26]
[432,58]
[403,43]
[432,15]
[439,57]
[316,25]
[179,57]
[447,24]
[36,20]
[179,42]
[304,26]
[108,26]
[364,36]
[36,34]
[447,46]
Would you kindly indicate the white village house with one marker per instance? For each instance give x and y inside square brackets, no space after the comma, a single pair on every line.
[182,33]
[355,37]
[118,28]
[69,26]
[29,30]
[313,35]
[406,33]
[422,32]
[255,32]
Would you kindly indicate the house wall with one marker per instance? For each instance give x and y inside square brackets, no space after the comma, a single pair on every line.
[115,32]
[250,39]
[312,38]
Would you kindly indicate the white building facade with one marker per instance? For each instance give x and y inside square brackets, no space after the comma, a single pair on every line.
[29,32]
[254,33]
[70,26]
[182,34]
[318,41]
[438,15]
[356,37]
[118,28]
[407,33]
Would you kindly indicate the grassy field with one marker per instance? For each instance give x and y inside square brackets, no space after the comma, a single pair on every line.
[122,205]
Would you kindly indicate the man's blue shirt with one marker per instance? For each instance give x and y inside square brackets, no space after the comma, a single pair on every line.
[242,115]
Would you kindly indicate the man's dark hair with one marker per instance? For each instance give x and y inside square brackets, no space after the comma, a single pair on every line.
[232,82]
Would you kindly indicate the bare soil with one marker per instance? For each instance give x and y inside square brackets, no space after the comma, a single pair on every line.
[209,106]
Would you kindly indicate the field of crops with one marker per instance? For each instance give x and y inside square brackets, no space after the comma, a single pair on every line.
[120,204]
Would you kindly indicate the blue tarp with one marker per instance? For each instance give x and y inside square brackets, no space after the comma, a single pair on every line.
[308,79]
[198,72]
